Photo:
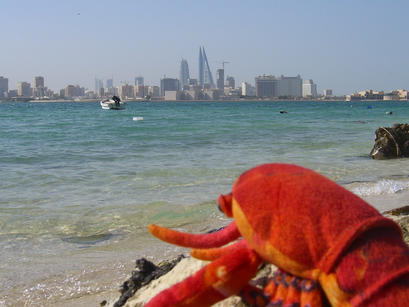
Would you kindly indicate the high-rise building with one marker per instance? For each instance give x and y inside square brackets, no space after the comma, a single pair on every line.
[79,91]
[230,82]
[139,81]
[4,86]
[309,89]
[140,90]
[109,83]
[328,93]
[70,91]
[126,91]
[205,75]
[38,89]
[24,89]
[168,84]
[201,67]
[153,91]
[270,86]
[98,84]
[266,86]
[38,81]
[184,75]
[290,86]
[220,78]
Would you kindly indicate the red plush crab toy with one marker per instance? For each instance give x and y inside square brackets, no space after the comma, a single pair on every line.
[331,247]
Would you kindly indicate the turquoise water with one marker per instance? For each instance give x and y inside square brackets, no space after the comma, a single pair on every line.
[80,184]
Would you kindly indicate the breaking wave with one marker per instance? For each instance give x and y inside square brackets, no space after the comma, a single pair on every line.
[384,186]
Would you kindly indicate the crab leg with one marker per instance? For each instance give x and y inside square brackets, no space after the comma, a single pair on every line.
[216,281]
[214,239]
[210,254]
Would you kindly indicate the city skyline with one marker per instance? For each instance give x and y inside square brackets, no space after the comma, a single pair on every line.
[346,46]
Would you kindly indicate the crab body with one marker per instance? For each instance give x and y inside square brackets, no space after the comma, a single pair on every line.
[315,231]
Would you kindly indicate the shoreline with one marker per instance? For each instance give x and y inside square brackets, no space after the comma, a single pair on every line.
[218,100]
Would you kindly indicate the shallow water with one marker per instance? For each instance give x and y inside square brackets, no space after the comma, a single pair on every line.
[79,184]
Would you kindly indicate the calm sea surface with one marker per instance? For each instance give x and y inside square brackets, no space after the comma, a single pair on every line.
[80,184]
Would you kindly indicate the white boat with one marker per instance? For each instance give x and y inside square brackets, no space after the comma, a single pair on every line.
[113,103]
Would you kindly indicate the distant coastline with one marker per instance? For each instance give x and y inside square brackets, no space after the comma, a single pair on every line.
[335,99]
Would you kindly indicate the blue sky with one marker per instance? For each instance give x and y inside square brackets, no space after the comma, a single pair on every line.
[343,45]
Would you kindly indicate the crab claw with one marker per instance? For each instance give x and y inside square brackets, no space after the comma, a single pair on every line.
[208,240]
[218,280]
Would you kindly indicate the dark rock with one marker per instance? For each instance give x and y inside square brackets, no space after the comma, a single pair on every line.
[391,142]
[398,211]
[145,272]
[401,216]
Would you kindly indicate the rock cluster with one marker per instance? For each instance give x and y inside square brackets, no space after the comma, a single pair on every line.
[391,142]
[143,274]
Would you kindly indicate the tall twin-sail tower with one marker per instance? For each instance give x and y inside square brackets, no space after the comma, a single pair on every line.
[205,75]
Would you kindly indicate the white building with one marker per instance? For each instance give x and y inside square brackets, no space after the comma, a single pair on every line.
[172,95]
[247,89]
[309,89]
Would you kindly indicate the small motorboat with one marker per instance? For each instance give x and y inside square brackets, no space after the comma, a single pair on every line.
[113,103]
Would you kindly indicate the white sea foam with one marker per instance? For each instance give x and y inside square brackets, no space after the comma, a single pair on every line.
[384,186]
[136,118]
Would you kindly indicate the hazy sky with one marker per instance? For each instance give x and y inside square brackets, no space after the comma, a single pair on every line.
[344,45]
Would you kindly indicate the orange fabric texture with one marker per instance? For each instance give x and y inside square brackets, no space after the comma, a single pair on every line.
[316,231]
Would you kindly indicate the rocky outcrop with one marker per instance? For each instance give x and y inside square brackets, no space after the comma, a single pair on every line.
[391,142]
[145,272]
[401,216]
[183,269]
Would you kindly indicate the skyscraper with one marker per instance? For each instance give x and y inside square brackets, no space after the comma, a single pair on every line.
[184,74]
[270,86]
[24,89]
[109,83]
[201,67]
[98,85]
[38,81]
[266,86]
[38,90]
[220,78]
[230,82]
[4,86]
[205,75]
[139,81]
[290,86]
[71,91]
[168,84]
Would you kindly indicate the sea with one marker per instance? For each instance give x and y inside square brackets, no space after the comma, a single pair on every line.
[79,185]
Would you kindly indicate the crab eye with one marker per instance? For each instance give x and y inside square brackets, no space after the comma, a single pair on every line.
[225,204]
